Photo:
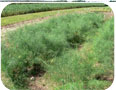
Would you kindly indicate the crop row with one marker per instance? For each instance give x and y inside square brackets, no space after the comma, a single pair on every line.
[16,9]
[72,51]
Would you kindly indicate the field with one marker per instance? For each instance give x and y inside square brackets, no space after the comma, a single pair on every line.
[33,16]
[16,9]
[71,51]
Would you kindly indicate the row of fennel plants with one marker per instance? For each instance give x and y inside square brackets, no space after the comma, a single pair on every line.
[55,48]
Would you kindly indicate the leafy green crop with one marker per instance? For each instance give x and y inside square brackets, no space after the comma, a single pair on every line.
[16,9]
[72,49]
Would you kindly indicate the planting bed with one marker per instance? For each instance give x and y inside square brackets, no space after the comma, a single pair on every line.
[16,9]
[74,51]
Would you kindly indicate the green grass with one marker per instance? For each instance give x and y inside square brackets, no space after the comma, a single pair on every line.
[7,81]
[71,86]
[16,9]
[73,53]
[20,18]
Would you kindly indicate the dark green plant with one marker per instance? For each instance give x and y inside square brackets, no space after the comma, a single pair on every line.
[22,8]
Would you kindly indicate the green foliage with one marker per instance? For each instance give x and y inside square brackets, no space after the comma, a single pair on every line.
[71,86]
[39,15]
[73,68]
[103,46]
[98,85]
[16,9]
[67,48]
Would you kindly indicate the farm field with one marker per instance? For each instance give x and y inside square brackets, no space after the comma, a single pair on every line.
[16,9]
[69,49]
[21,18]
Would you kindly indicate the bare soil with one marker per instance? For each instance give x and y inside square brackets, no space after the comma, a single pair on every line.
[15,26]
[36,85]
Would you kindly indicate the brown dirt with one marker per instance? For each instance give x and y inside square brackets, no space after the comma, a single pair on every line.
[42,83]
[36,85]
[105,77]
[15,26]
[108,15]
